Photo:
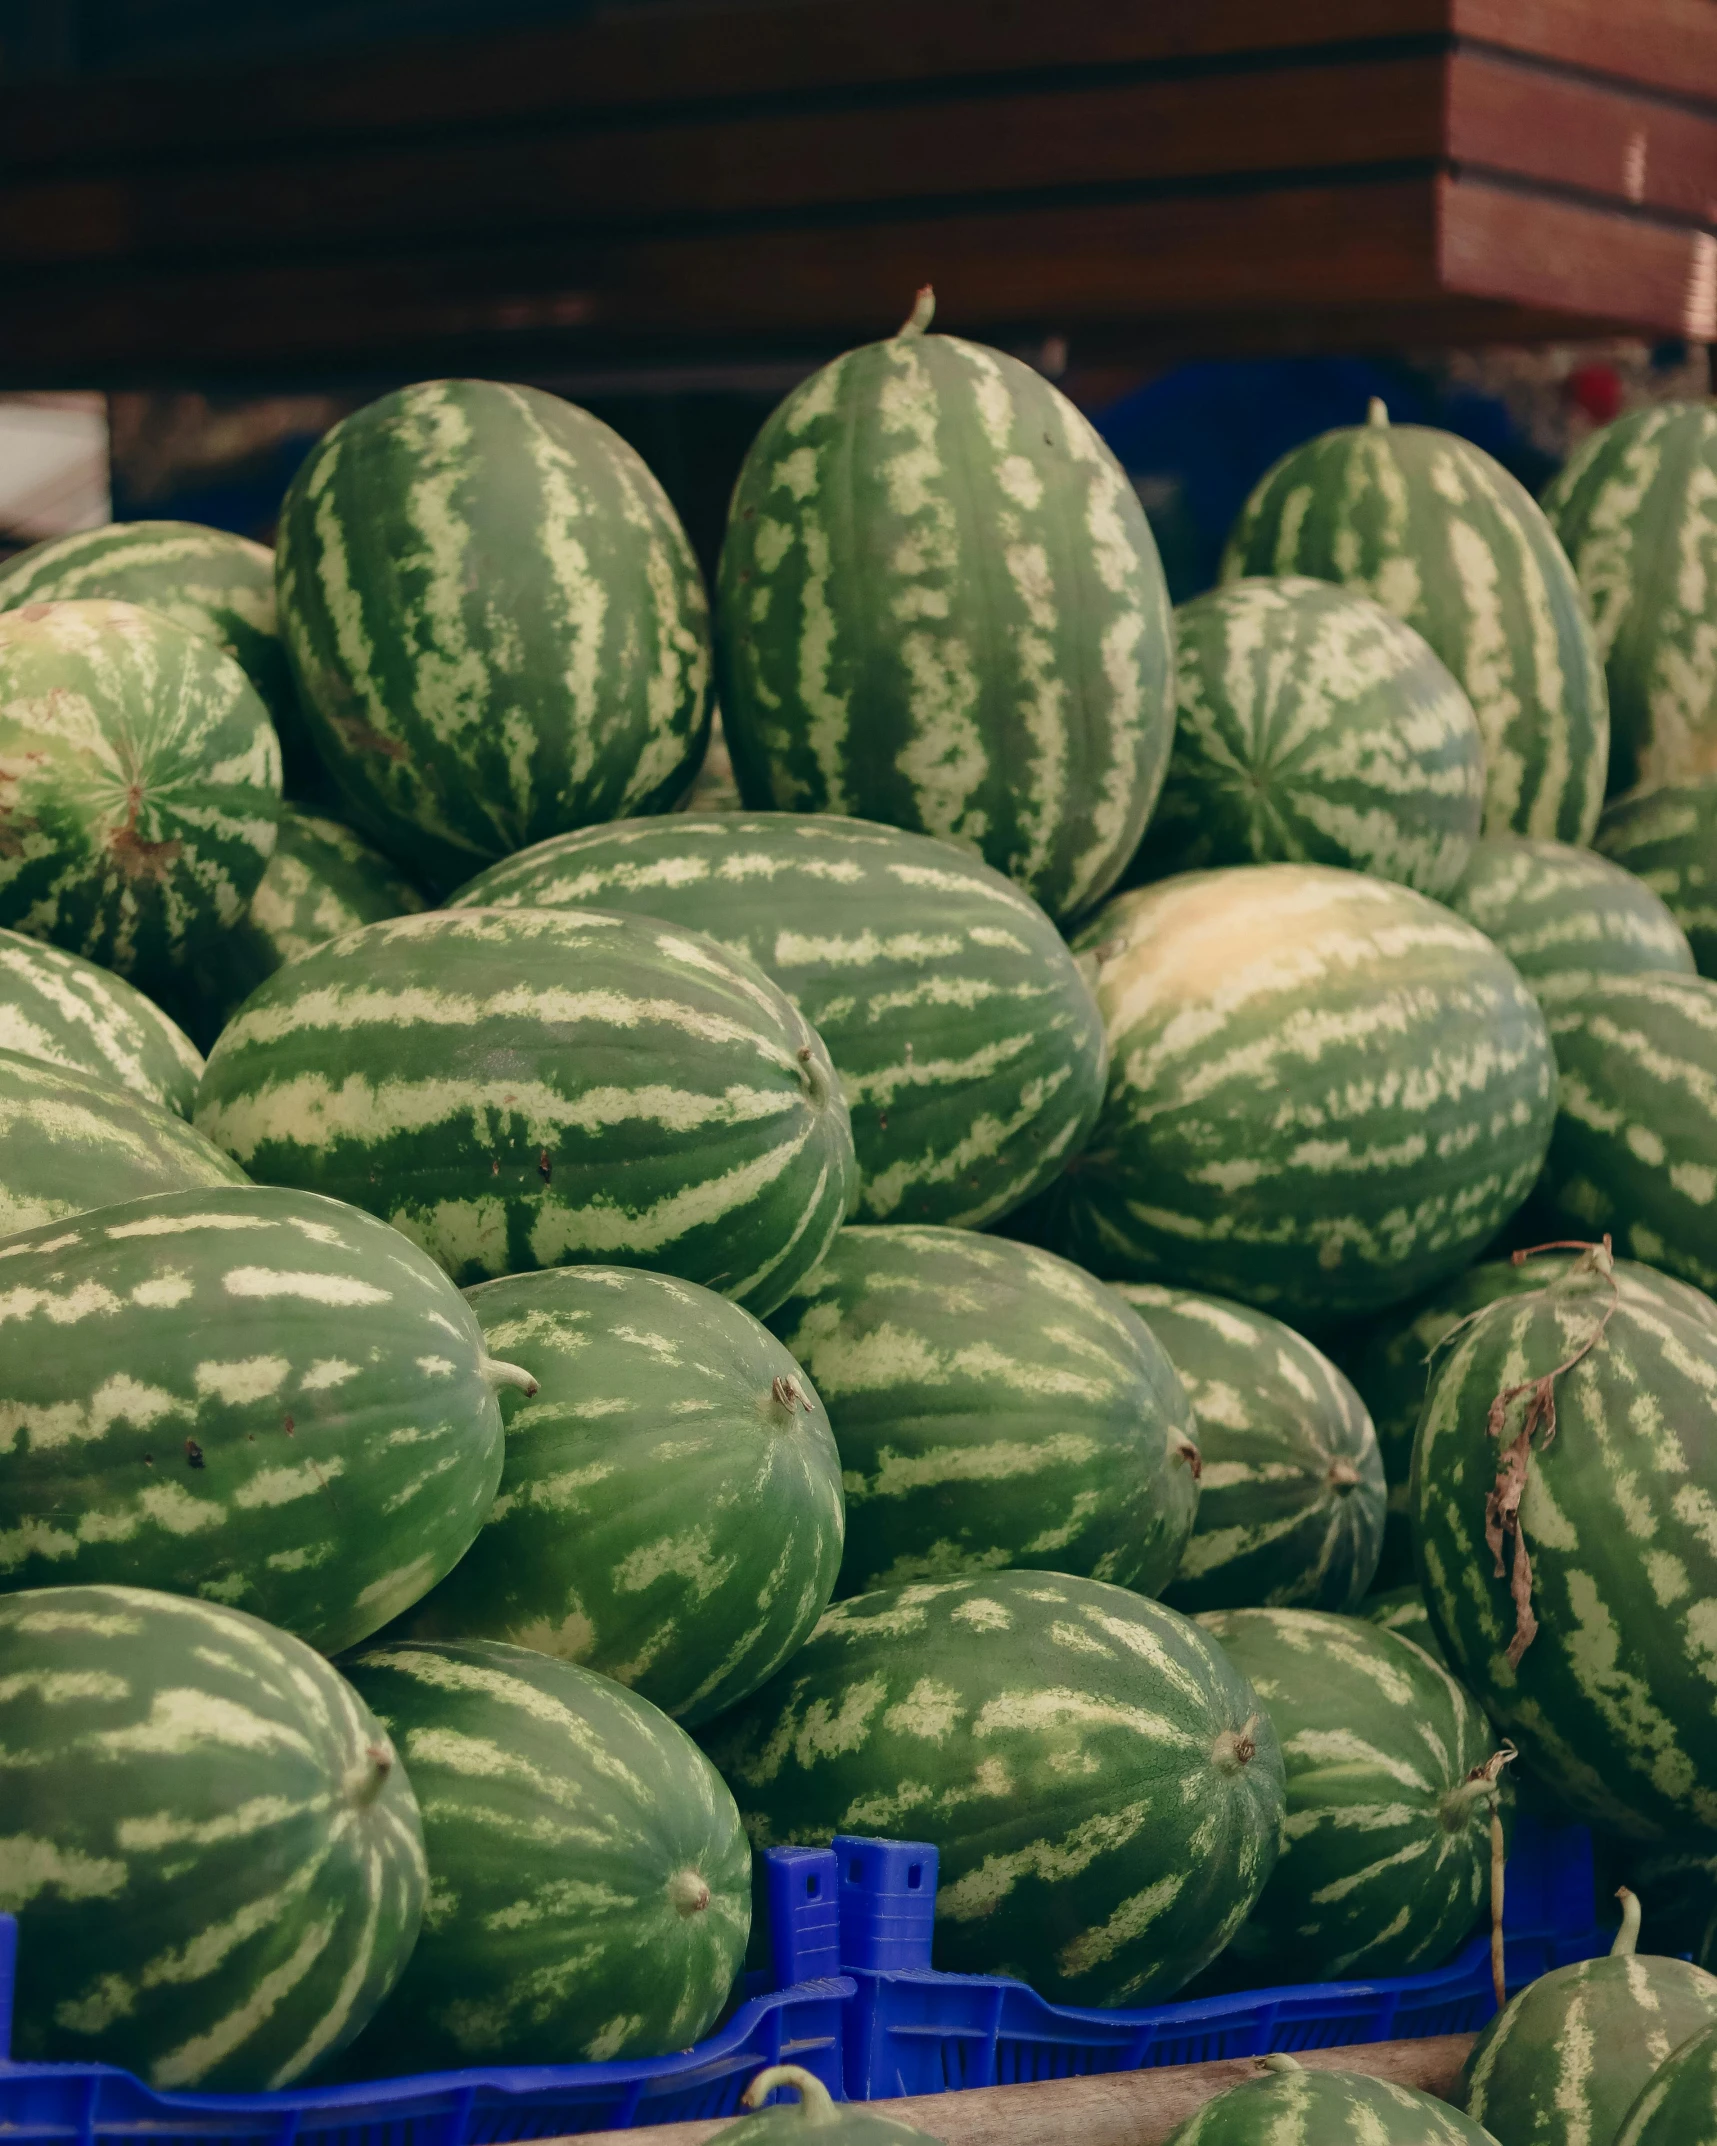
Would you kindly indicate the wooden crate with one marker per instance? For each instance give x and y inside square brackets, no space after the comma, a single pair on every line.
[698,180]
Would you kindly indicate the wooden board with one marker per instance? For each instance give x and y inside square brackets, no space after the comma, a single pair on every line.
[1139,2108]
[770,179]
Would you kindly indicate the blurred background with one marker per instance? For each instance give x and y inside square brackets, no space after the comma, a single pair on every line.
[1221,226]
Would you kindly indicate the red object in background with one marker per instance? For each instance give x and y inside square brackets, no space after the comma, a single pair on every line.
[1596,389]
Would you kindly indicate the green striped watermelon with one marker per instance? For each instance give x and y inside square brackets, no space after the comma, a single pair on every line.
[497,626]
[969,1049]
[1636,509]
[1295,2107]
[1325,1092]
[1291,1494]
[1390,1360]
[213,1853]
[993,1406]
[1679,2104]
[940,606]
[1569,1559]
[1667,837]
[257,1396]
[141,786]
[1402,1610]
[1444,537]
[1313,727]
[321,882]
[70,1012]
[670,1504]
[1102,1786]
[1634,1153]
[590,1882]
[1566,917]
[815,2111]
[525,1088]
[209,581]
[69,1143]
[1386,1862]
[1564,2061]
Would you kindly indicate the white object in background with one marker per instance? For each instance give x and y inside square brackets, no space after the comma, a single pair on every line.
[53,465]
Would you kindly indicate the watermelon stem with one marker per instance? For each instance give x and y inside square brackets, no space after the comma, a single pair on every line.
[689,1891]
[1235,1748]
[1627,1937]
[922,314]
[1279,2061]
[1377,412]
[497,1373]
[814,2099]
[1343,1474]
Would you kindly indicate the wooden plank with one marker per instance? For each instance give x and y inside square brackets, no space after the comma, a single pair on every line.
[1667,45]
[1299,249]
[699,170]
[1517,116]
[1533,250]
[690,53]
[1139,2108]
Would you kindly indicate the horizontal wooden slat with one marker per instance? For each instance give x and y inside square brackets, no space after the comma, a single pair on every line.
[1516,116]
[651,57]
[697,171]
[1499,242]
[1667,45]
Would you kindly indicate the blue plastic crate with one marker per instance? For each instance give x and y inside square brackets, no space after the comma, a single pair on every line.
[97,2105]
[886,2025]
[910,2030]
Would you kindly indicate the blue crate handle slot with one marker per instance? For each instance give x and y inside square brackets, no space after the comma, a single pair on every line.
[800,1888]
[888,1901]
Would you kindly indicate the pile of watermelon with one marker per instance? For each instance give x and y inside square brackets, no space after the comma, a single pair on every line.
[1086,1239]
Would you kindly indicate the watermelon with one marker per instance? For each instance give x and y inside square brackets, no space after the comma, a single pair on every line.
[1389,1360]
[213,1853]
[1667,837]
[939,605]
[70,1012]
[1568,1555]
[1565,917]
[1294,2107]
[967,1043]
[139,785]
[1679,2104]
[591,1892]
[670,1504]
[815,2112]
[209,581]
[1402,1610]
[321,882]
[1325,1092]
[993,1406]
[1440,534]
[1634,1153]
[1313,727]
[496,624]
[523,1088]
[1564,2060]
[1636,509]
[252,1395]
[1291,1493]
[69,1143]
[1102,1786]
[1386,1862]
